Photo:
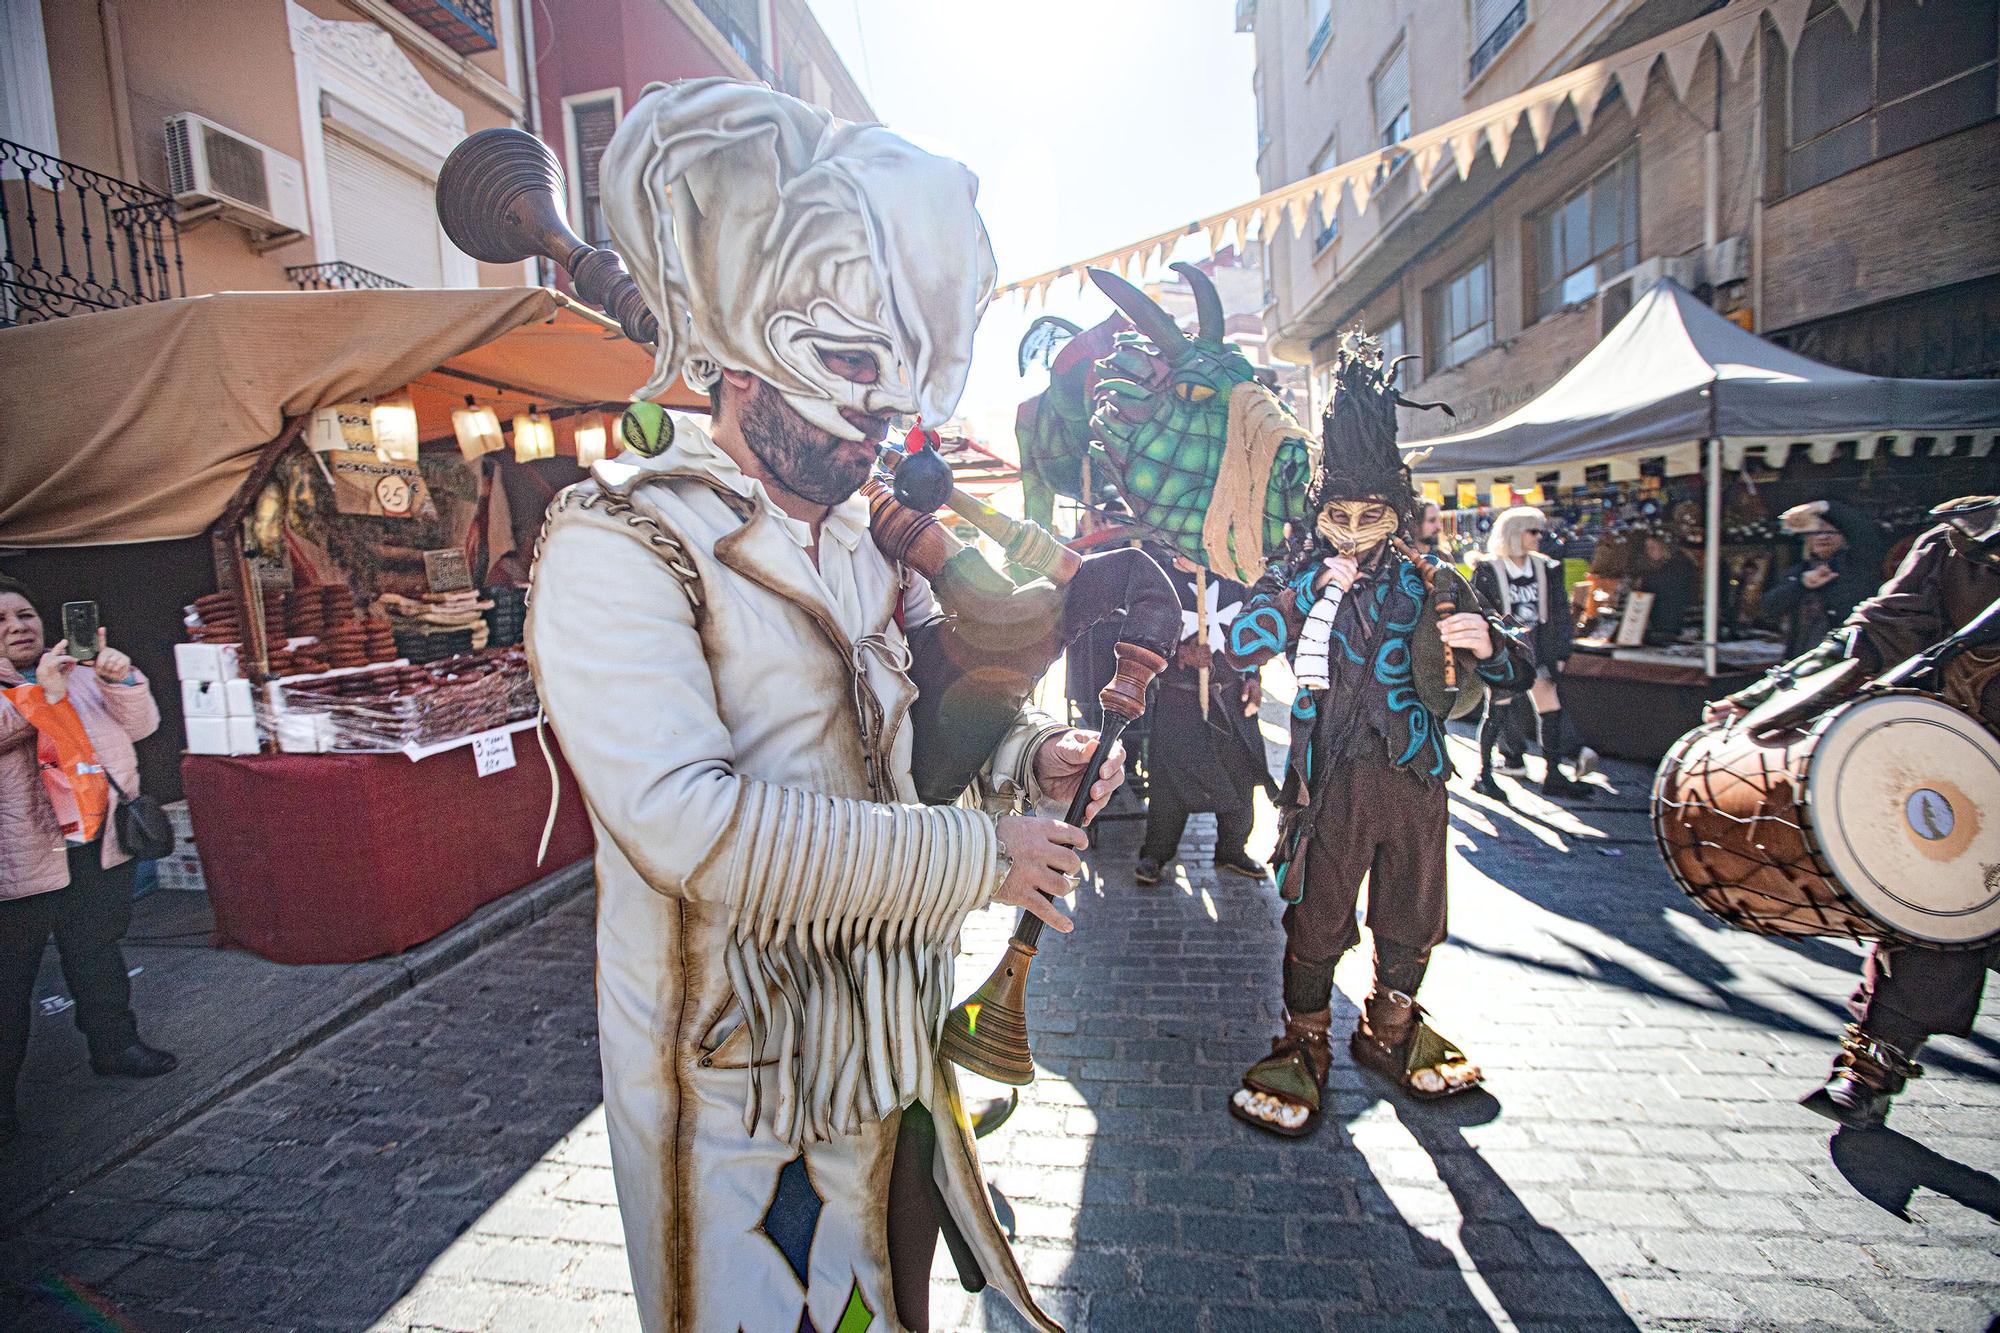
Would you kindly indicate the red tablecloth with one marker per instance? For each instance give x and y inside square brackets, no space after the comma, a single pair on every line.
[333,858]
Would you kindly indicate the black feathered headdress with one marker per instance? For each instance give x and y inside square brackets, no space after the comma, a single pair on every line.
[1358,455]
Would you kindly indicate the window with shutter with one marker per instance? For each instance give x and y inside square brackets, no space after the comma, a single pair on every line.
[384,214]
[592,122]
[1906,74]
[1392,97]
[1494,23]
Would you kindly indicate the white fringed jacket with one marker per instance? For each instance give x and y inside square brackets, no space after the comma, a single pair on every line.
[777,916]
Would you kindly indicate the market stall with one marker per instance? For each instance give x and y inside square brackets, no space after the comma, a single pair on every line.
[1685,425]
[313,505]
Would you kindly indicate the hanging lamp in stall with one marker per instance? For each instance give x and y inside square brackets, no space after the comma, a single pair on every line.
[534,436]
[478,430]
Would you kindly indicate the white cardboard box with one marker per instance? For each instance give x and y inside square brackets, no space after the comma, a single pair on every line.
[208,735]
[242,735]
[204,698]
[206,661]
[237,699]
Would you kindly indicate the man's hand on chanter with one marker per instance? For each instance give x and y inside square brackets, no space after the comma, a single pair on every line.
[1044,865]
[1062,761]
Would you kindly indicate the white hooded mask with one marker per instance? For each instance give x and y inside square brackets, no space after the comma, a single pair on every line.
[763,231]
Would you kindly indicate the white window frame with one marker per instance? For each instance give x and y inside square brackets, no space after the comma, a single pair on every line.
[1398,50]
[1473,39]
[27,93]
[1319,13]
[1325,220]
[1437,311]
[360,67]
[571,150]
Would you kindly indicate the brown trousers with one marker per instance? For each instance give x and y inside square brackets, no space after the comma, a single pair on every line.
[1910,994]
[1375,821]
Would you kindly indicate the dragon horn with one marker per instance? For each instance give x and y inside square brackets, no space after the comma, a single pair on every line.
[1207,304]
[1146,317]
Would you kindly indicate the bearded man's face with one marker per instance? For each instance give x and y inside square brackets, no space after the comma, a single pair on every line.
[807,461]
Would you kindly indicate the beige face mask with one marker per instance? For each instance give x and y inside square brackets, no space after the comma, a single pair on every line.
[1356,527]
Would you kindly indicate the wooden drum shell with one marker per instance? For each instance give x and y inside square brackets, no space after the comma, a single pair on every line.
[1730,818]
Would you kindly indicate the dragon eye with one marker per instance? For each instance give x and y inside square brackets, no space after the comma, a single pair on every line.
[1189,392]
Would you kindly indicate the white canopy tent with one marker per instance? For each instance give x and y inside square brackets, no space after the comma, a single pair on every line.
[1675,380]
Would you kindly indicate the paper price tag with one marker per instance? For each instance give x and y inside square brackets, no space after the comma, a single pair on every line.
[493,751]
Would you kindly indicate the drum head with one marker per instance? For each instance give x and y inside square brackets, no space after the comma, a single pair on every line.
[1903,793]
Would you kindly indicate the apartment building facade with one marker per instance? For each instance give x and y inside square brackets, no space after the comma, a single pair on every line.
[593,64]
[1826,185]
[151,149]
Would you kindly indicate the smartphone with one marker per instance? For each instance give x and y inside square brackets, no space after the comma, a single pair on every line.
[80,628]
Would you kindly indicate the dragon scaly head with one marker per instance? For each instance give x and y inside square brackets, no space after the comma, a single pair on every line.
[1161,412]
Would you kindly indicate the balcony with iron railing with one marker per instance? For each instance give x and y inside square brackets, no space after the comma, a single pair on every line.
[466,26]
[340,276]
[77,240]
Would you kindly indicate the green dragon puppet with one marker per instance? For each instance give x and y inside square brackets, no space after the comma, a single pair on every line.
[1202,452]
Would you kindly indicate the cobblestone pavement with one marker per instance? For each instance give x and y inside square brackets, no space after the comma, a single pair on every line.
[1640,1162]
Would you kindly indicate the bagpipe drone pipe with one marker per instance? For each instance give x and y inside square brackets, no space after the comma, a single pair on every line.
[499,199]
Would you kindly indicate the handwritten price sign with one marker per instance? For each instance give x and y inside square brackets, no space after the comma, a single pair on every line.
[493,752]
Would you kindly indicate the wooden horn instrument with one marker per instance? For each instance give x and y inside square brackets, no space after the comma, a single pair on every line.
[988,1034]
[499,197]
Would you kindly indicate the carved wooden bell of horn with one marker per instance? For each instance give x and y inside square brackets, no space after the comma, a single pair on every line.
[499,197]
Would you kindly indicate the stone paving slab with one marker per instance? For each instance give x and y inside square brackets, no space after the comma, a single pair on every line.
[1639,1162]
[230,1016]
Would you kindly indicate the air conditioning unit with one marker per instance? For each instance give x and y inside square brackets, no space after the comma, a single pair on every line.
[212,171]
[1727,261]
[1617,295]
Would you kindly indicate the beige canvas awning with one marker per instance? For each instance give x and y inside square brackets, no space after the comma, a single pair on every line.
[140,424]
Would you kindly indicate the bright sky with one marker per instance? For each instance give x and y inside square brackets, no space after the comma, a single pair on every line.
[1089,123]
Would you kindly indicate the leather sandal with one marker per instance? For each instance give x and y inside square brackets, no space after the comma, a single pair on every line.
[1866,1076]
[1395,1041]
[1281,1093]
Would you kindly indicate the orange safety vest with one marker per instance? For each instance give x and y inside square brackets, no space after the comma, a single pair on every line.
[74,779]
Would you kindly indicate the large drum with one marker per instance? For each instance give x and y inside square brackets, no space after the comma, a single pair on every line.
[1878,819]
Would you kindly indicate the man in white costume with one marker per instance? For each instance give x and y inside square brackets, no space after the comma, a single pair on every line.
[720,649]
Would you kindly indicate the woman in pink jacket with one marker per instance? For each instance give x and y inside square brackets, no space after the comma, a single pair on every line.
[51,882]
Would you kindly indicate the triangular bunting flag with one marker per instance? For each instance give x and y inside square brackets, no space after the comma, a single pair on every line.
[1361,184]
[1586,97]
[1295,208]
[1682,57]
[1854,9]
[1733,39]
[1463,146]
[1541,115]
[1789,17]
[1427,159]
[1500,136]
[1632,80]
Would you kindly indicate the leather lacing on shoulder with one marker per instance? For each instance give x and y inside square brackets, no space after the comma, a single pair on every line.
[587,496]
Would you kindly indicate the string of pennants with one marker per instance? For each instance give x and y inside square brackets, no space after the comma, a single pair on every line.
[1532,484]
[1732,29]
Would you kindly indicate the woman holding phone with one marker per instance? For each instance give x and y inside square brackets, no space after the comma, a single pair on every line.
[61,868]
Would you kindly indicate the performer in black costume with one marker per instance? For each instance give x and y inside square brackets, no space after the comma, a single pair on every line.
[1909,993]
[1200,760]
[1381,664]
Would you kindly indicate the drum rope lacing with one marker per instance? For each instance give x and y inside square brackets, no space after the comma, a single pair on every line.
[1799,874]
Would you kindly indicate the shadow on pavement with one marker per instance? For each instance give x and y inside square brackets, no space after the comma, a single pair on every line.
[1149,1015]
[318,1197]
[1887,1169]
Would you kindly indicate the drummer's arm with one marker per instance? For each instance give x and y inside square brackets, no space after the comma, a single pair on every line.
[1905,617]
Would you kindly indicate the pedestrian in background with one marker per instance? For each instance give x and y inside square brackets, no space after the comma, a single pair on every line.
[1842,564]
[1531,592]
[59,873]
